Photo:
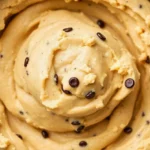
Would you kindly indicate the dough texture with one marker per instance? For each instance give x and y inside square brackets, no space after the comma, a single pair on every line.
[75,75]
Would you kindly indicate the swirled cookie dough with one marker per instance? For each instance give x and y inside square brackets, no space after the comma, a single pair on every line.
[75,75]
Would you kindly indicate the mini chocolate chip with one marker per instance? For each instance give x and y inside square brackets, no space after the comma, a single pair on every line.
[67,120]
[129,83]
[90,95]
[21,112]
[68,29]
[56,78]
[26,61]
[147,122]
[45,134]
[101,23]
[140,6]
[108,118]
[94,135]
[75,122]
[83,143]
[147,60]
[19,136]
[80,128]
[65,91]
[128,130]
[74,82]
[143,114]
[101,36]
[1,56]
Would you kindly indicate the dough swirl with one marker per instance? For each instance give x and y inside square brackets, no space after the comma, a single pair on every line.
[74,75]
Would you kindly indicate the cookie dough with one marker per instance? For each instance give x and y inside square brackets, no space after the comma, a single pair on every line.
[74,75]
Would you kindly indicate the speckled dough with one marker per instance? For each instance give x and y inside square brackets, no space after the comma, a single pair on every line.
[75,75]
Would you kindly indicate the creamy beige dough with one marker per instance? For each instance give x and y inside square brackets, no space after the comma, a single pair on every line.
[75,75]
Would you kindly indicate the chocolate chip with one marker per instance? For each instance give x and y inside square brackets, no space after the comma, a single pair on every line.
[56,78]
[101,36]
[21,112]
[129,83]
[68,29]
[83,143]
[147,60]
[90,95]
[80,128]
[26,61]
[140,6]
[143,114]
[19,136]
[128,130]
[101,23]
[147,122]
[1,56]
[75,122]
[45,134]
[108,118]
[74,82]
[67,120]
[65,91]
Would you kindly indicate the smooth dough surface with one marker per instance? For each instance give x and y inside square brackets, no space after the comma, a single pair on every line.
[75,75]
